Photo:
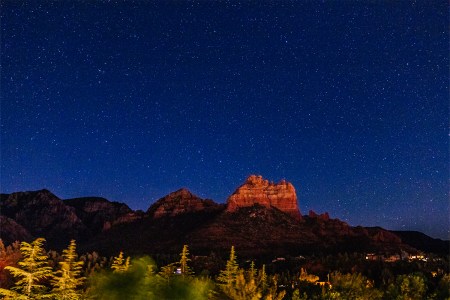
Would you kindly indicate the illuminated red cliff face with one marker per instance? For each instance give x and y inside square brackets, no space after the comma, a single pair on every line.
[257,190]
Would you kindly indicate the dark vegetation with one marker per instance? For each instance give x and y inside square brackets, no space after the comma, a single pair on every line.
[28,271]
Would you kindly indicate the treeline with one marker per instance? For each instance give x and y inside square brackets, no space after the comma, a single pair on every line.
[28,271]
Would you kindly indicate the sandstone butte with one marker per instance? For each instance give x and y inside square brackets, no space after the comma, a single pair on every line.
[257,190]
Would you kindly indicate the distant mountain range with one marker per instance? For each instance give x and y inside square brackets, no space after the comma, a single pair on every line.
[260,218]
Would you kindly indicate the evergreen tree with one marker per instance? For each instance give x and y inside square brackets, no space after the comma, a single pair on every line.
[270,292]
[31,271]
[408,287]
[262,278]
[68,278]
[244,288]
[167,271]
[120,264]
[227,277]
[185,269]
[252,271]
[352,286]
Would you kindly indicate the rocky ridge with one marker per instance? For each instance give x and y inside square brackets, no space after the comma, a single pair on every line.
[42,213]
[257,190]
[260,218]
[181,202]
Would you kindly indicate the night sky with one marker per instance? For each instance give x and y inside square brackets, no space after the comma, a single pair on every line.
[127,100]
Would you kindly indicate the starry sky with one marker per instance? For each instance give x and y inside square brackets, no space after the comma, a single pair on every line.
[131,100]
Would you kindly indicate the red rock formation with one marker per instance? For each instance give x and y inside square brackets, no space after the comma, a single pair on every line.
[257,190]
[180,202]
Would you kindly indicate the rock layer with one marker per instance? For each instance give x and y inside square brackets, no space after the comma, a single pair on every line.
[257,190]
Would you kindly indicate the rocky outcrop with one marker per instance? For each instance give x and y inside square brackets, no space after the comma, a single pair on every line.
[43,214]
[99,214]
[181,202]
[257,190]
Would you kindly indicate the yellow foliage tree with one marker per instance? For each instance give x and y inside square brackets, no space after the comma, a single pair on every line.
[31,271]
[227,277]
[120,264]
[183,263]
[304,276]
[68,278]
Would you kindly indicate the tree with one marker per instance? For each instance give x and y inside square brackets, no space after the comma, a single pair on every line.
[185,269]
[167,271]
[120,264]
[244,288]
[9,256]
[443,290]
[135,283]
[252,271]
[408,287]
[310,278]
[31,271]
[227,277]
[68,278]
[296,295]
[351,286]
[271,291]
[251,284]
[262,278]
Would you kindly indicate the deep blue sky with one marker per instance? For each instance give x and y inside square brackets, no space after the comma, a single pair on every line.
[127,100]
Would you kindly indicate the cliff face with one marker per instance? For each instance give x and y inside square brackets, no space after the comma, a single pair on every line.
[181,202]
[257,190]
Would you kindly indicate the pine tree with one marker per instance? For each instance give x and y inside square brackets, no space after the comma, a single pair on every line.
[227,277]
[262,278]
[185,269]
[252,271]
[271,291]
[244,288]
[68,278]
[33,268]
[120,264]
[167,272]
